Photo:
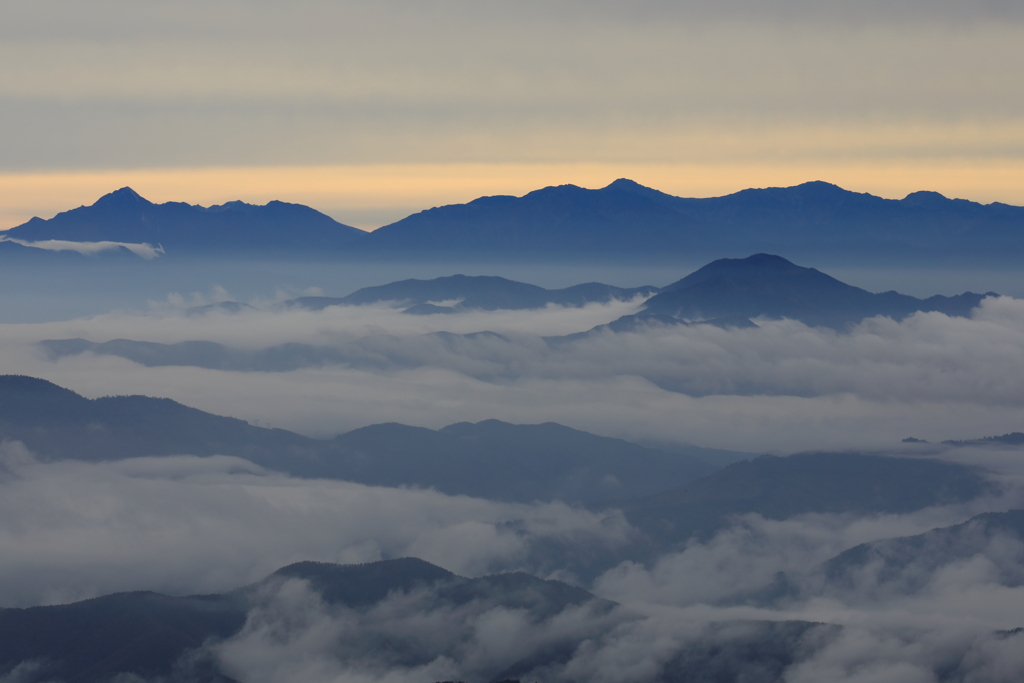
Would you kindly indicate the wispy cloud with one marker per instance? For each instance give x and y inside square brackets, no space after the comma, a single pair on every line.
[146,251]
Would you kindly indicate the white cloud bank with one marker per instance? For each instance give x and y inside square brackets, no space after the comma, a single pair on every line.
[182,524]
[145,250]
[783,386]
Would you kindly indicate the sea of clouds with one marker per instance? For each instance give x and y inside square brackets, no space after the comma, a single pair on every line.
[185,525]
[782,386]
[182,524]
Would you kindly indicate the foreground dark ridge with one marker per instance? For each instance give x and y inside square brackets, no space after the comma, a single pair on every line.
[127,636]
[158,636]
[569,223]
[183,639]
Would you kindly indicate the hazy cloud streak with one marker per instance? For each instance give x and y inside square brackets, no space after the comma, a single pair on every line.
[146,251]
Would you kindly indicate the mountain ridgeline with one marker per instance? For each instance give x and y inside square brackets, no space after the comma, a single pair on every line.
[785,487]
[161,637]
[726,292]
[278,228]
[148,636]
[480,292]
[672,495]
[624,220]
[405,612]
[490,459]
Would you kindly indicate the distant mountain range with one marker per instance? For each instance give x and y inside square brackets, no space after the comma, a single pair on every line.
[624,220]
[124,216]
[480,292]
[726,292]
[672,495]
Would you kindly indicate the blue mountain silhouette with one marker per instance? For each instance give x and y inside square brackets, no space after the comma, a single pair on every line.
[125,216]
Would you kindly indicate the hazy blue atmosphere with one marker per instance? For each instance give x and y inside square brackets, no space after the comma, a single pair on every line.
[576,342]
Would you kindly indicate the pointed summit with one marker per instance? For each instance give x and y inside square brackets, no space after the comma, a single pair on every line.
[126,196]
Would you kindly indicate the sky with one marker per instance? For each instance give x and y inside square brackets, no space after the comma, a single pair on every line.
[370,111]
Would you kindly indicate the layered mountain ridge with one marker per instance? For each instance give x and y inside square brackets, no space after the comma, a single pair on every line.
[171,638]
[563,223]
[125,216]
[490,459]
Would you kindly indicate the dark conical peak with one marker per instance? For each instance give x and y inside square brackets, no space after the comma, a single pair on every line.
[126,196]
[760,267]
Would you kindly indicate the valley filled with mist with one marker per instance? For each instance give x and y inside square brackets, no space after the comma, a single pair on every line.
[589,341]
[743,470]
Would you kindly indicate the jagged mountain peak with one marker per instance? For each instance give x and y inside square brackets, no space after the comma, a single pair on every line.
[233,227]
[125,196]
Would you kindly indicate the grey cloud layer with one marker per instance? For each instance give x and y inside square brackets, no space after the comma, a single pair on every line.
[927,356]
[782,386]
[951,626]
[566,81]
[187,525]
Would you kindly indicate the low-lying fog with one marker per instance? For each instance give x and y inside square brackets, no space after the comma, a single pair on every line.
[183,524]
[782,386]
[37,292]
